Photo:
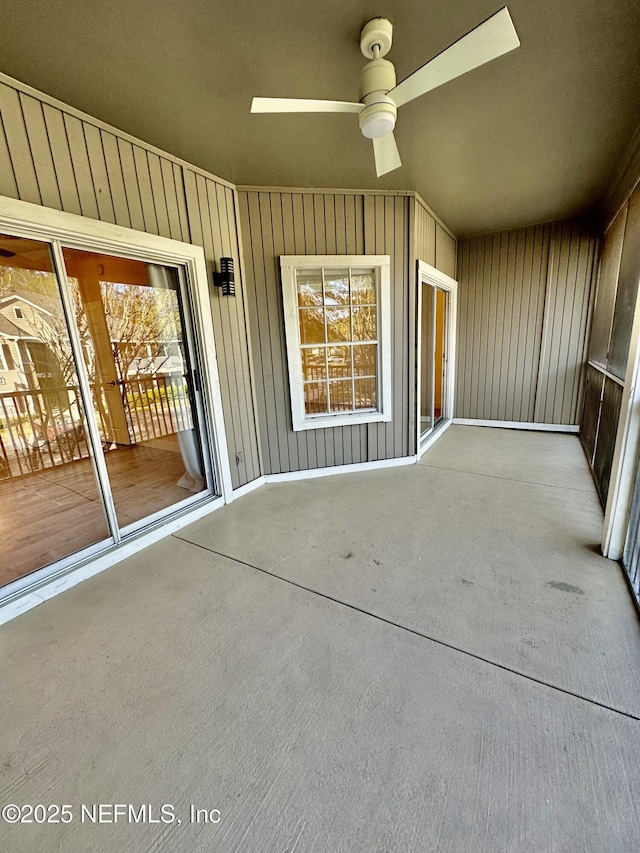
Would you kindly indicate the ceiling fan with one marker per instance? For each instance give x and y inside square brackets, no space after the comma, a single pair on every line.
[380,97]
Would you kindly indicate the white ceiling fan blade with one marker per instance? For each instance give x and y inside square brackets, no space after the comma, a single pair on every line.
[487,41]
[386,154]
[302,105]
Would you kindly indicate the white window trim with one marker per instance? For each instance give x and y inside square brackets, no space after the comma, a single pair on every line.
[288,265]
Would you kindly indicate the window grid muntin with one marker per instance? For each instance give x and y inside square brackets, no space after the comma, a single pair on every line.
[350,305]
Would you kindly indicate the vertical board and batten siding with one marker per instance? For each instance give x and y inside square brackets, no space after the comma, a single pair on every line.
[574,251]
[446,252]
[211,210]
[433,244]
[523,313]
[296,222]
[59,158]
[425,229]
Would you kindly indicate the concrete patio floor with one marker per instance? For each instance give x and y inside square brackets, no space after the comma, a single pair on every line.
[426,658]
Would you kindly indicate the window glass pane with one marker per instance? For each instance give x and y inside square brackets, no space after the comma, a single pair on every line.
[366,394]
[426,358]
[365,360]
[50,501]
[363,287]
[606,295]
[341,395]
[364,324]
[339,361]
[311,325]
[439,356]
[338,324]
[627,290]
[336,287]
[309,283]
[313,363]
[315,398]
[130,318]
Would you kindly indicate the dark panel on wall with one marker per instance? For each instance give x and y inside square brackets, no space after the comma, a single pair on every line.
[56,158]
[606,293]
[594,383]
[627,292]
[606,439]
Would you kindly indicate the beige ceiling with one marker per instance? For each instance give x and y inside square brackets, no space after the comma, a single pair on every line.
[535,135]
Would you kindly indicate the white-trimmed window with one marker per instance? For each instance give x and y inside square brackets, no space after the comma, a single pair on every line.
[336,310]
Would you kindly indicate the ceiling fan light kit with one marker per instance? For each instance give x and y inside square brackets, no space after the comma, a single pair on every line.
[380,97]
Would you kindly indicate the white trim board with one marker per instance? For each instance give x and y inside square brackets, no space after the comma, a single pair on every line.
[433,437]
[312,473]
[572,428]
[40,592]
[249,487]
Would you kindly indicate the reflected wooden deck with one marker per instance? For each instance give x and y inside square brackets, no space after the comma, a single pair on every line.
[51,513]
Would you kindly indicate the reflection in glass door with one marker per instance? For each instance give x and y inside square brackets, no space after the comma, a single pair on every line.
[436,318]
[102,426]
[136,353]
[433,356]
[439,355]
[50,498]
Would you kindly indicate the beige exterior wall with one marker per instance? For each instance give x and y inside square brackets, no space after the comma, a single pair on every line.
[57,157]
[523,314]
[277,222]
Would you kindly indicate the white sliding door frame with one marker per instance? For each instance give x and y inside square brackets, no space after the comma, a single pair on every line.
[65,229]
[426,274]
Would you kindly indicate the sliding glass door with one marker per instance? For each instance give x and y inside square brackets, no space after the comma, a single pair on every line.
[46,511]
[102,417]
[436,349]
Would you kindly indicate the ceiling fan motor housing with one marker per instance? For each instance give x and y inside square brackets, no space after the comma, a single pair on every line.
[379,114]
[379,75]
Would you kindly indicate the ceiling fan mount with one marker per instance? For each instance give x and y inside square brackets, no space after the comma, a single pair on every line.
[380,96]
[378,32]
